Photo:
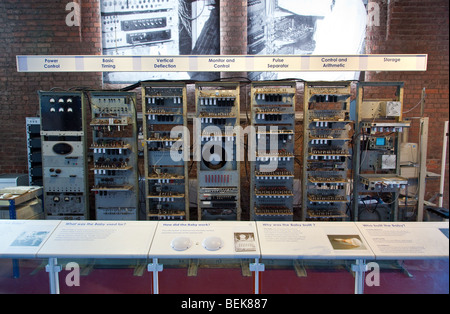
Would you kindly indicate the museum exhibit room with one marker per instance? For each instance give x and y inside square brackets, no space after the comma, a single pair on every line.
[225,151]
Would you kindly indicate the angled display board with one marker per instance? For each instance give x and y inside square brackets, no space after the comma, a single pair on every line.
[100,239]
[407,240]
[223,239]
[312,240]
[24,238]
[202,239]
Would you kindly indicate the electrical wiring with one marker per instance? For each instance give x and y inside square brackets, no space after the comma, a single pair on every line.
[413,107]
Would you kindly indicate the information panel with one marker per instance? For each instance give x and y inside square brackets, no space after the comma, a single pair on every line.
[214,63]
[407,240]
[100,239]
[312,240]
[24,238]
[205,239]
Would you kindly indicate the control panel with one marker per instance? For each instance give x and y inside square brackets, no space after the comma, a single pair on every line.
[217,134]
[272,166]
[64,163]
[166,151]
[114,148]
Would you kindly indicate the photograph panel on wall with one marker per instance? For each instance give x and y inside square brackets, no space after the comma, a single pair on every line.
[159,28]
[306,27]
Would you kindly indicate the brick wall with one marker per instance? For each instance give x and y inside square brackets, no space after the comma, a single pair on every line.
[233,30]
[233,27]
[39,28]
[411,27]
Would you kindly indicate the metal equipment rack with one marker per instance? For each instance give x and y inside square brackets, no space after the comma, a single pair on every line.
[166,151]
[272,167]
[114,147]
[376,163]
[218,168]
[326,151]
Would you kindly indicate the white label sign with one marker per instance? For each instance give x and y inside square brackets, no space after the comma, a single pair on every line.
[205,239]
[100,239]
[406,240]
[312,240]
[24,238]
[218,63]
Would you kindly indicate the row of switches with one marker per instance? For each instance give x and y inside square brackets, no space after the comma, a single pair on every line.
[217,178]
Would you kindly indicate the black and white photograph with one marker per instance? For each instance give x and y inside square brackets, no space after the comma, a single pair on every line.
[30,238]
[154,28]
[244,242]
[306,27]
[346,242]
